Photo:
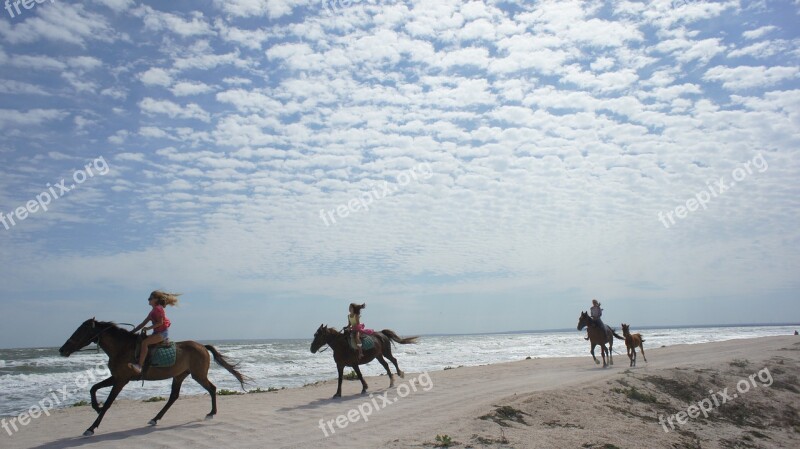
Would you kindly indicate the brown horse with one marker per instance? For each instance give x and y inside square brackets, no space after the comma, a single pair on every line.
[345,355]
[119,344]
[598,336]
[631,342]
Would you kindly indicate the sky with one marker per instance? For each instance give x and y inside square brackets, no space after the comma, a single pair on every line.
[459,166]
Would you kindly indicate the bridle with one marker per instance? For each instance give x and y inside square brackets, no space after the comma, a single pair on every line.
[95,339]
[324,347]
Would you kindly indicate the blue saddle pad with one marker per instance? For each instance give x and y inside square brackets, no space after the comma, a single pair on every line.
[366,342]
[164,356]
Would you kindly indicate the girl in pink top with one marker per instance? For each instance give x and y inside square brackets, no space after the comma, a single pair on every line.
[157,300]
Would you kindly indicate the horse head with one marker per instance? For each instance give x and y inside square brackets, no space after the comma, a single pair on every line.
[584,320]
[85,333]
[321,338]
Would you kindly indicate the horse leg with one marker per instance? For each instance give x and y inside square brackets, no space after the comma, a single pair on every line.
[340,368]
[603,351]
[118,386]
[202,379]
[93,391]
[633,349]
[641,346]
[593,357]
[388,370]
[364,385]
[173,396]
[391,358]
[610,351]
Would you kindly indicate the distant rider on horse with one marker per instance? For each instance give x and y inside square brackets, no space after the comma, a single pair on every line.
[595,312]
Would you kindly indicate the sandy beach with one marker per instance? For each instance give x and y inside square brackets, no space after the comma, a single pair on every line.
[749,388]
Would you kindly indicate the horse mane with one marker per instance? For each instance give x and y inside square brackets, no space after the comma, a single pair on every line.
[113,329]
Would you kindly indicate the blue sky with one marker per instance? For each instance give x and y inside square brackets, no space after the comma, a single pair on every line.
[458,166]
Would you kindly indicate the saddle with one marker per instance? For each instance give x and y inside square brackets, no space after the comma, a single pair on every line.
[367,342]
[160,355]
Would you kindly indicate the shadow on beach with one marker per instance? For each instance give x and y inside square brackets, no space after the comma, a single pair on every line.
[345,399]
[118,436]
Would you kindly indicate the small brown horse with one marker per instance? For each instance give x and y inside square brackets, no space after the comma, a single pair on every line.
[119,344]
[345,355]
[600,337]
[631,342]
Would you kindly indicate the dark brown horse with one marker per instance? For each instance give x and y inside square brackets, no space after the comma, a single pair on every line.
[345,355]
[119,344]
[631,342]
[598,336]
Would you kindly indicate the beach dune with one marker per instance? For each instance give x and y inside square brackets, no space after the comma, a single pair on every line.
[739,393]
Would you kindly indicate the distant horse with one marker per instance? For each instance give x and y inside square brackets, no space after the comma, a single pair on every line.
[600,337]
[119,344]
[631,342]
[345,355]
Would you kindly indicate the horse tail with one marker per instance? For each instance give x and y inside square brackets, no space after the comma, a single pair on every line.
[615,334]
[395,338]
[223,362]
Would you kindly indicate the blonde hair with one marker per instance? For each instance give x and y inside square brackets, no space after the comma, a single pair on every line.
[596,302]
[165,299]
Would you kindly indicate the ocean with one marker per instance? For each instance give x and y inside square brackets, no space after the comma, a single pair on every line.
[28,376]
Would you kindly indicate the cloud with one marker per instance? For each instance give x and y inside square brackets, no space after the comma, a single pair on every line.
[272,9]
[117,6]
[759,32]
[747,77]
[152,106]
[156,77]
[155,20]
[186,88]
[58,22]
[32,117]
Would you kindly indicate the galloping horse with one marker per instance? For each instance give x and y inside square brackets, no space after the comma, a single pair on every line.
[600,337]
[344,355]
[631,342]
[119,344]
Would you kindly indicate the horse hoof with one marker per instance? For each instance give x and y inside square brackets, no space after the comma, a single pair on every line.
[596,362]
[337,395]
[88,433]
[152,422]
[401,374]
[209,417]
[363,392]
[391,384]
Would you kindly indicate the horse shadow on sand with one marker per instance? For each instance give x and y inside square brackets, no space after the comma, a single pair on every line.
[79,441]
[317,403]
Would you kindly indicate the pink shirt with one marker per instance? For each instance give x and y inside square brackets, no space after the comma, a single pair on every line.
[158,315]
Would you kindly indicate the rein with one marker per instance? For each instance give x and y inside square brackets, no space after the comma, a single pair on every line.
[97,337]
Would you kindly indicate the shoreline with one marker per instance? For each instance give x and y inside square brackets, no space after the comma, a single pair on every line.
[547,394]
[165,393]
